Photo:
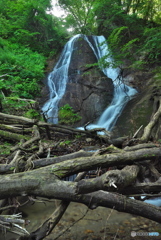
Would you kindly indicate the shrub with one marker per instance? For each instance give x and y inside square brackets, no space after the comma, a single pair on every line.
[67,115]
[32,113]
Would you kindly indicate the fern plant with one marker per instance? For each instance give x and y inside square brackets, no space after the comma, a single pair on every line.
[67,115]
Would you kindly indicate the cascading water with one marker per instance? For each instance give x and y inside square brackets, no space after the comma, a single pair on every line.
[58,79]
[122,92]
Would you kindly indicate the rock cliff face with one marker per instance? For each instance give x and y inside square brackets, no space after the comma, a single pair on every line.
[88,90]
[138,111]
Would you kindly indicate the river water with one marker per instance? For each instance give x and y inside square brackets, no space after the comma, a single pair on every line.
[82,223]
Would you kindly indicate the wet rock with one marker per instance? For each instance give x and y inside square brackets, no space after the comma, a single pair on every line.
[88,90]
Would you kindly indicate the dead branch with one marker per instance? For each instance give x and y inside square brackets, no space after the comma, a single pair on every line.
[143,188]
[11,223]
[36,137]
[47,227]
[46,180]
[30,181]
[15,129]
[151,124]
[140,146]
[114,180]
[42,162]
[136,133]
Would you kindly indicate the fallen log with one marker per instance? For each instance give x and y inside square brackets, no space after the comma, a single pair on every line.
[38,163]
[139,146]
[15,129]
[5,118]
[70,167]
[81,162]
[46,228]
[13,136]
[114,180]
[44,184]
[143,188]
[46,180]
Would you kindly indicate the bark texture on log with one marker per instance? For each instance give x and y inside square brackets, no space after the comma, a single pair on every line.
[32,169]
[114,180]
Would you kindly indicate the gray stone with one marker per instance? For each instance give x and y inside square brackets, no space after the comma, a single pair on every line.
[88,90]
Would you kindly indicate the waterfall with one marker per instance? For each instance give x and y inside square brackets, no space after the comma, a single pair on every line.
[122,92]
[58,79]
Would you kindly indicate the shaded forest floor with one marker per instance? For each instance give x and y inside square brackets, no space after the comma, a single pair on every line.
[79,222]
[35,143]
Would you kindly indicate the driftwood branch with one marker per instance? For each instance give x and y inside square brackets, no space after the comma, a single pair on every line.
[11,223]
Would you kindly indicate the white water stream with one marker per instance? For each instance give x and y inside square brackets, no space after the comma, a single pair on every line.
[58,79]
[122,92]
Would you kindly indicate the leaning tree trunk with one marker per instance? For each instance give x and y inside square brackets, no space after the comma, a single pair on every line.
[151,124]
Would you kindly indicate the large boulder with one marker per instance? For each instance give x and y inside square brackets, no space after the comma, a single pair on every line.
[88,90]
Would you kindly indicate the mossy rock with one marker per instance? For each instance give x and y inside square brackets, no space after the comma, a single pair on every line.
[137,112]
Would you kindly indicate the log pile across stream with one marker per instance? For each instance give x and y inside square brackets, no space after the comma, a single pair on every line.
[43,155]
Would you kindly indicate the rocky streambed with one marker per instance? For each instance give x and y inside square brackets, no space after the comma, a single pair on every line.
[81,223]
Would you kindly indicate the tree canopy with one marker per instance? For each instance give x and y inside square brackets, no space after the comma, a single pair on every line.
[28,36]
[132,27]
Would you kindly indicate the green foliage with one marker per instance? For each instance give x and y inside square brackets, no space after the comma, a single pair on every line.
[18,106]
[5,148]
[67,115]
[67,142]
[33,114]
[129,45]
[28,23]
[116,36]
[152,44]
[28,34]
[20,70]
[80,15]
[157,79]
[78,136]
[12,105]
[129,25]
[120,48]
